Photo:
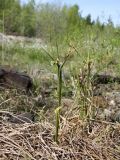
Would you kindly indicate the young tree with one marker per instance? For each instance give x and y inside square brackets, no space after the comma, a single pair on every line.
[73,16]
[88,20]
[51,22]
[29,19]
[13,18]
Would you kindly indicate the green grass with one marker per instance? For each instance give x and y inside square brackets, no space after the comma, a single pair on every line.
[100,46]
[83,47]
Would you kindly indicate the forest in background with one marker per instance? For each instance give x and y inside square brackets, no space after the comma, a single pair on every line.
[50,22]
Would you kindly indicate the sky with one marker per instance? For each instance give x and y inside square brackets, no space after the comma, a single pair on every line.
[101,8]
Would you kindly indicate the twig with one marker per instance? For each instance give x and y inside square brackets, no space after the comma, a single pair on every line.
[48,54]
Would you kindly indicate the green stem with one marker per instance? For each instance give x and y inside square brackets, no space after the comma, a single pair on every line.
[3,42]
[57,113]
[59,83]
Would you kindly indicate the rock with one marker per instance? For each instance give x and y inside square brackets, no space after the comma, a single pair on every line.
[99,102]
[46,92]
[68,106]
[12,78]
[105,115]
[112,103]
[116,117]
[113,99]
[1,73]
[105,79]
[109,115]
[22,118]
[67,102]
[50,102]
[19,80]
[39,100]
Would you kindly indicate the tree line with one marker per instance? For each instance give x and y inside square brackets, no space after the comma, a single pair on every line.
[44,20]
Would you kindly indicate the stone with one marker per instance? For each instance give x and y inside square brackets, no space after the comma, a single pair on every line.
[116,116]
[22,118]
[105,79]
[11,78]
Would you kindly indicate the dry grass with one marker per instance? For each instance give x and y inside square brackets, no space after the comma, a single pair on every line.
[15,101]
[77,141]
[35,141]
